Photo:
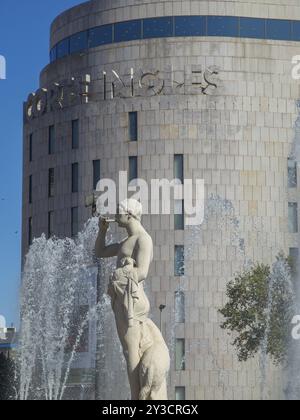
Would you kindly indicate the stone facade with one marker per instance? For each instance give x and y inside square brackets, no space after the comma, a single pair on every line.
[238,139]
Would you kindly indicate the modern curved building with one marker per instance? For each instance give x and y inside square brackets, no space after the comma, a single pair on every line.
[192,88]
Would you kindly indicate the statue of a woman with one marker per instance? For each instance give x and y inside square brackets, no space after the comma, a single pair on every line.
[144,348]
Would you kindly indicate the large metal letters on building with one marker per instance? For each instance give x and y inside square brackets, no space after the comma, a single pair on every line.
[193,80]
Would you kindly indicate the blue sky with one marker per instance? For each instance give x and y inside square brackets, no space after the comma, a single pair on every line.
[24,42]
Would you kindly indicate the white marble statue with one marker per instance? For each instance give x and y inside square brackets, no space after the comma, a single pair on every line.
[144,348]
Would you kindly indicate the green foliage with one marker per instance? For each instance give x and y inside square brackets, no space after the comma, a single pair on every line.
[260,309]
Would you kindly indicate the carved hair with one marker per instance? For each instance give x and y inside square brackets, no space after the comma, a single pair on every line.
[132,207]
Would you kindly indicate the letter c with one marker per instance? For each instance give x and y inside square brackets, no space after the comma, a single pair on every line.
[29,107]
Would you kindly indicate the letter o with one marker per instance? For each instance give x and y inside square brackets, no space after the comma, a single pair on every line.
[40,103]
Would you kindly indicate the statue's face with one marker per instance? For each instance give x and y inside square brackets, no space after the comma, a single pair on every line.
[122,219]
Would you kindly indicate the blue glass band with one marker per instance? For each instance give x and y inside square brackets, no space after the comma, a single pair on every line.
[173,26]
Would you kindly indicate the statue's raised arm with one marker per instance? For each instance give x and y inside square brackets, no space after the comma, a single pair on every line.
[101,249]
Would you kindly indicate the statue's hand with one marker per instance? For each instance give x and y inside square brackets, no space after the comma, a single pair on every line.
[103,224]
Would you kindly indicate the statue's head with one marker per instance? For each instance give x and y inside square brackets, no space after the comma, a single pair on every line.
[129,210]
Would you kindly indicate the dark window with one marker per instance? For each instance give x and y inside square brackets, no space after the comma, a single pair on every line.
[74,221]
[75,134]
[51,140]
[79,42]
[51,182]
[179,167]
[63,48]
[133,126]
[30,231]
[293,217]
[30,147]
[133,168]
[292,173]
[180,354]
[158,27]
[30,189]
[50,224]
[294,259]
[294,254]
[179,260]
[128,31]
[100,35]
[53,54]
[179,307]
[252,28]
[222,26]
[75,177]
[278,29]
[296,31]
[179,215]
[180,393]
[190,25]
[96,173]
